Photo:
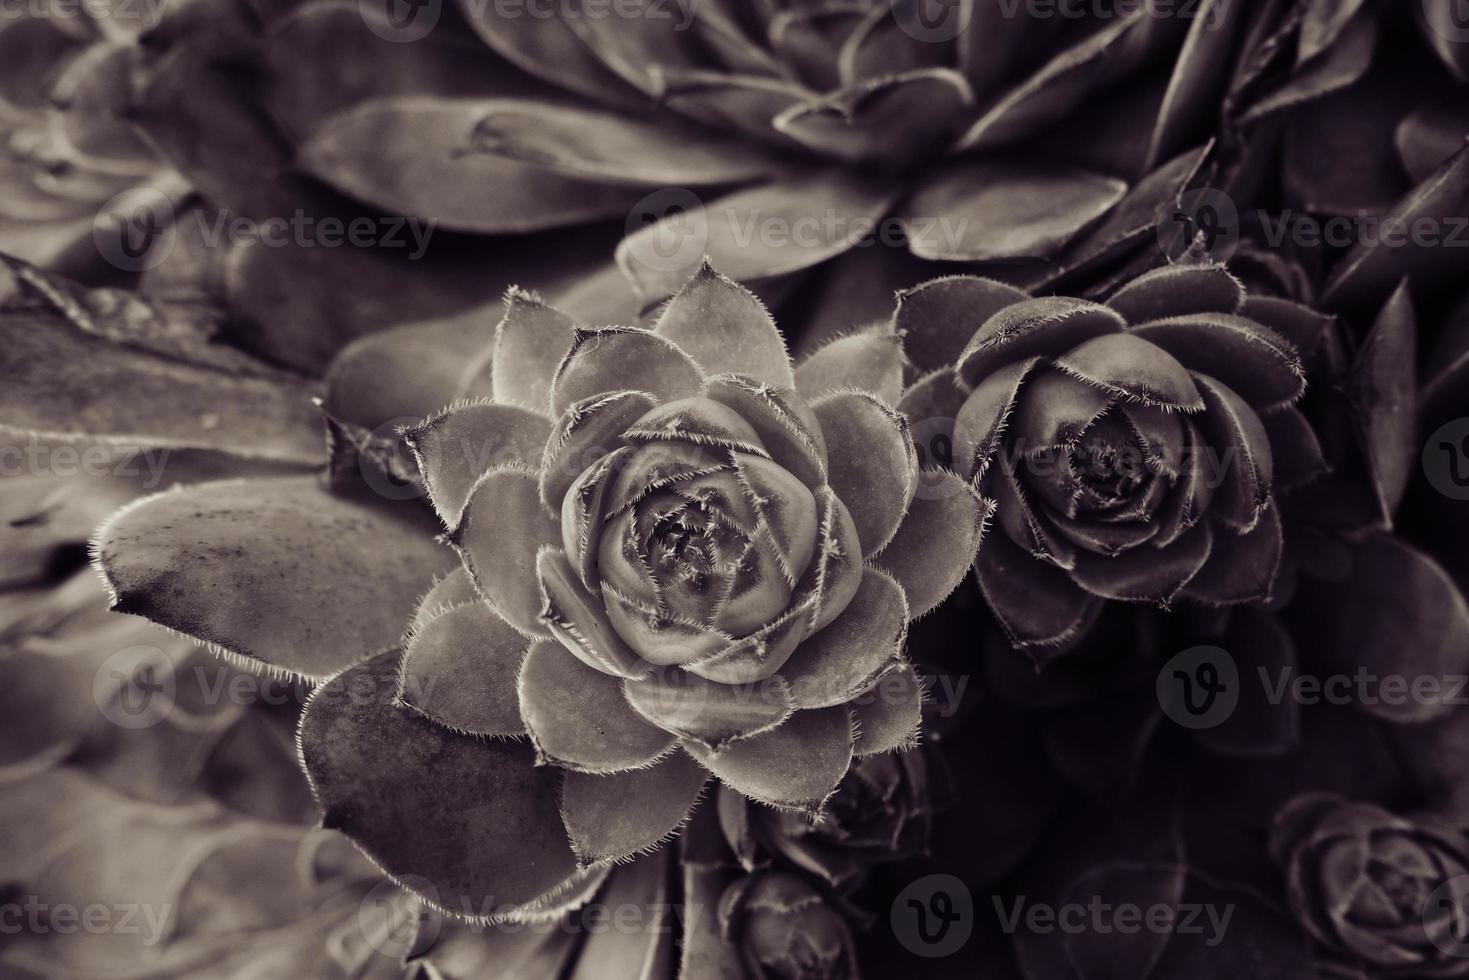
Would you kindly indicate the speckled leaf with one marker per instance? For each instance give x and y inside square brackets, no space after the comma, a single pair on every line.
[474,822]
[196,560]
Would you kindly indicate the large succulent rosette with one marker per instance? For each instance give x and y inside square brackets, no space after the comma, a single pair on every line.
[679,557]
[1382,895]
[1130,446]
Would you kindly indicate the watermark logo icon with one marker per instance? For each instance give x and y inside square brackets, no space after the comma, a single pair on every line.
[1200,687]
[1202,222]
[1446,459]
[931,21]
[135,687]
[400,21]
[135,230]
[392,921]
[933,916]
[666,231]
[1446,917]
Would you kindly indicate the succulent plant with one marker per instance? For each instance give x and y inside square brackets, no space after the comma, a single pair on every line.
[1383,895]
[1129,445]
[669,538]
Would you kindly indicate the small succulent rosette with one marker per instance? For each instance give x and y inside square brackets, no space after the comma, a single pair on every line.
[679,558]
[1130,446]
[1382,895]
[881,812]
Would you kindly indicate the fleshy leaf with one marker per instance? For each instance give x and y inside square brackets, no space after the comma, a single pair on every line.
[1254,361]
[587,431]
[607,148]
[1048,327]
[725,329]
[581,621]
[502,528]
[936,544]
[892,117]
[796,766]
[456,447]
[982,211]
[938,318]
[1374,266]
[416,155]
[1146,574]
[475,823]
[873,466]
[1382,388]
[366,383]
[1236,441]
[531,341]
[1241,567]
[61,380]
[887,718]
[846,657]
[612,817]
[459,669]
[623,359]
[751,234]
[1129,367]
[871,361]
[985,416]
[781,418]
[1037,604]
[1178,290]
[706,712]
[195,560]
[577,718]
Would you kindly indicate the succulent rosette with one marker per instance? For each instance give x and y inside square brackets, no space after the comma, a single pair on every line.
[680,557]
[698,123]
[1382,895]
[67,146]
[1130,446]
[880,812]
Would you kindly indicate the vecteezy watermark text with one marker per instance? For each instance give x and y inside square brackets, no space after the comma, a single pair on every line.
[1103,918]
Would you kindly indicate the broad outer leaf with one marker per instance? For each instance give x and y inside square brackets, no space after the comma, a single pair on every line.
[276,569]
[615,816]
[938,318]
[366,383]
[416,155]
[530,343]
[60,380]
[980,211]
[754,234]
[1396,613]
[474,825]
[1382,388]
